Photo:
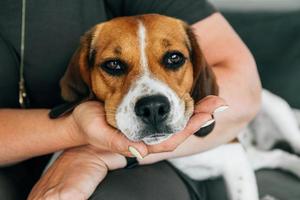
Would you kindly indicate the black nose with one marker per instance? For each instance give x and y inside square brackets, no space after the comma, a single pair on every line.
[153,110]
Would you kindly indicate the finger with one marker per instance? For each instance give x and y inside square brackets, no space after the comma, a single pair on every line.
[115,141]
[119,143]
[210,104]
[198,121]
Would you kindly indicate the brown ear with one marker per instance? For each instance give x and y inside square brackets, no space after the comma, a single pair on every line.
[76,80]
[204,79]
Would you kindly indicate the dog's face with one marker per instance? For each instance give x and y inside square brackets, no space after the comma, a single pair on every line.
[148,70]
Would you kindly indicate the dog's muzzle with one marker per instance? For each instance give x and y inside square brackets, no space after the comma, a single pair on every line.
[153,111]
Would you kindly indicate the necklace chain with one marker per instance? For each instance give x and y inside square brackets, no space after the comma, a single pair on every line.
[23,99]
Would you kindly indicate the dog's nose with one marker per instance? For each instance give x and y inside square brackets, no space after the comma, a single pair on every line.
[153,110]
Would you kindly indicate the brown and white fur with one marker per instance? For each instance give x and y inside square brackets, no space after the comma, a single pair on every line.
[141,43]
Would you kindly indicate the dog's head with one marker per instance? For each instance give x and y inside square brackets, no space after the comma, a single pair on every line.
[148,70]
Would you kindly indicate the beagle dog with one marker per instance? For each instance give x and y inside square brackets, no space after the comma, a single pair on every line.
[147,75]
[148,70]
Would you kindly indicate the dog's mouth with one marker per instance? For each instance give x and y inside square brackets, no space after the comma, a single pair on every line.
[156,138]
[152,139]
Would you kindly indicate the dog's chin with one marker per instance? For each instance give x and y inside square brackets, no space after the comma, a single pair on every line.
[150,137]
[156,139]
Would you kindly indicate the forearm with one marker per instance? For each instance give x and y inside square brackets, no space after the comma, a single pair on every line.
[29,133]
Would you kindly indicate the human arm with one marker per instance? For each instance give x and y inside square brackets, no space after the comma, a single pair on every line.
[28,133]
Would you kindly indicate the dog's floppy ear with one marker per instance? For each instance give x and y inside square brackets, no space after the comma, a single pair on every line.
[204,83]
[76,80]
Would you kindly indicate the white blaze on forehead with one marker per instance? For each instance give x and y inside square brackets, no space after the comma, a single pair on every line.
[142,44]
[147,84]
[95,36]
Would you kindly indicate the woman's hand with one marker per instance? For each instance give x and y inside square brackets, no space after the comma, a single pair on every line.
[91,125]
[78,171]
[75,174]
[203,116]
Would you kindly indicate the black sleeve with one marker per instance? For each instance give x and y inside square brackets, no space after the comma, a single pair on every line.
[190,11]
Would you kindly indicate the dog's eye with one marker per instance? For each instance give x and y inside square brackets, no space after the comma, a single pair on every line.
[114,67]
[173,60]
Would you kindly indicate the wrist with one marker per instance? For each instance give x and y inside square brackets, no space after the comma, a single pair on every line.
[73,131]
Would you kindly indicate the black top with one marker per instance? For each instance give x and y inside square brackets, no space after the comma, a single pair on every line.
[53,29]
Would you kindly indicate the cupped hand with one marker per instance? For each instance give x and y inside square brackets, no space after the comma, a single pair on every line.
[89,123]
[203,113]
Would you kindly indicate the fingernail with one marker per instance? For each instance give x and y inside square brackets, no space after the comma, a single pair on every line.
[135,152]
[220,109]
[208,123]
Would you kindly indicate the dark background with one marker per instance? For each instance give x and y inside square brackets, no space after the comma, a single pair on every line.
[274,40]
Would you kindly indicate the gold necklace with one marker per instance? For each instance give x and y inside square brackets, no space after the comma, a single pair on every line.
[23,98]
